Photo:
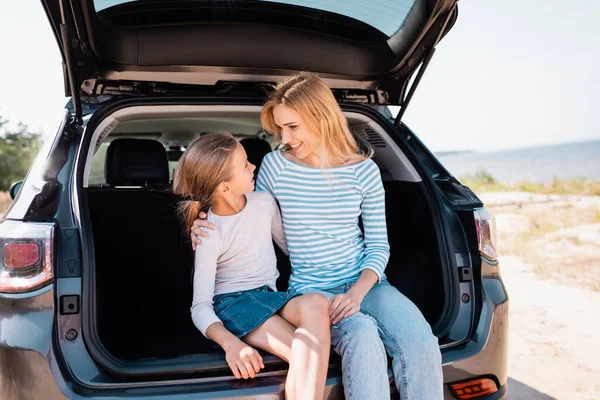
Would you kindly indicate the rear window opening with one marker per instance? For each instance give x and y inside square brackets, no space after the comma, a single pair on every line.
[379,20]
[143,261]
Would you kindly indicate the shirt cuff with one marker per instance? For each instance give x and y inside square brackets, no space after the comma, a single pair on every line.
[374,269]
[207,323]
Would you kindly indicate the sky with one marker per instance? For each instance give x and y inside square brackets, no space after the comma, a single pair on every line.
[510,74]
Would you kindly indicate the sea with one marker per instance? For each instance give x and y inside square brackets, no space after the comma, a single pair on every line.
[580,160]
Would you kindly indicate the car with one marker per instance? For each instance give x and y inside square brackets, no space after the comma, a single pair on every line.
[95,273]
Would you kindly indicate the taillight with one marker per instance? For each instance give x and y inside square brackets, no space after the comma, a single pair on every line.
[473,389]
[25,255]
[486,233]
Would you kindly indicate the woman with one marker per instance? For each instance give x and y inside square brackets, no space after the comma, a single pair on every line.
[323,184]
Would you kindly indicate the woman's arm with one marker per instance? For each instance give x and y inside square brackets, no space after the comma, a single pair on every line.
[377,248]
[198,230]
[346,304]
[265,181]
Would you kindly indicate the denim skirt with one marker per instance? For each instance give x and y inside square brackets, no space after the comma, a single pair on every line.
[244,311]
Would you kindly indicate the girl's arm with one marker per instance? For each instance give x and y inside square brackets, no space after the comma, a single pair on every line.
[243,360]
[205,271]
[277,227]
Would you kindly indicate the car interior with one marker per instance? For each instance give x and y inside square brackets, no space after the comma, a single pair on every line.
[144,261]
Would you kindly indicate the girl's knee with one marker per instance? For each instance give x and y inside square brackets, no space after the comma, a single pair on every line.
[314,303]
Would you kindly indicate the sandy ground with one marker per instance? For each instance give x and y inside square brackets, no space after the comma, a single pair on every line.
[555,314]
[554,337]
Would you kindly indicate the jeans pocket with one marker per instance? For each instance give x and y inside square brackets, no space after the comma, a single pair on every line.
[221,301]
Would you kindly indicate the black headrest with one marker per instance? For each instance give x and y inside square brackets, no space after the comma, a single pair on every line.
[256,150]
[136,162]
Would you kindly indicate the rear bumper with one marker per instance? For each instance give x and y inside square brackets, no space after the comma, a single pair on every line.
[26,324]
[486,353]
[29,368]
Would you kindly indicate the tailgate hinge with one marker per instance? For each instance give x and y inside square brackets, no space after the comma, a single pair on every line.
[424,64]
[70,44]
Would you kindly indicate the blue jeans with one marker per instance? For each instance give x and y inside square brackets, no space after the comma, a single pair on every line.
[388,322]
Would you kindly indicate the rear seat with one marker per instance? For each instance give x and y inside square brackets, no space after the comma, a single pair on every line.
[136,162]
[143,258]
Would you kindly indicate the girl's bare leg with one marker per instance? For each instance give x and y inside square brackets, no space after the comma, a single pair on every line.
[276,336]
[311,344]
[305,348]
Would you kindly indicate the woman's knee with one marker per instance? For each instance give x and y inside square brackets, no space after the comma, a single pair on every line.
[358,335]
[429,346]
[417,342]
[358,328]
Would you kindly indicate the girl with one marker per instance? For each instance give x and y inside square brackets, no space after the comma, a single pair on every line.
[324,184]
[235,300]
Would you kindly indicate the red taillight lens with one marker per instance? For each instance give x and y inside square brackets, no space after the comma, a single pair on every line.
[486,233]
[473,389]
[20,255]
[25,255]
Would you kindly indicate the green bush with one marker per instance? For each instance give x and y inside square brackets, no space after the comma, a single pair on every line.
[485,177]
[18,149]
[483,181]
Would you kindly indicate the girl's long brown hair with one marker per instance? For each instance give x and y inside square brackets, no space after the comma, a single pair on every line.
[205,164]
[309,96]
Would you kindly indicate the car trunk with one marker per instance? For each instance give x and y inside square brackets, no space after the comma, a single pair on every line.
[144,264]
[143,261]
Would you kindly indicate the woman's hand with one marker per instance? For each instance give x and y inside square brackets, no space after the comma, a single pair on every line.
[198,231]
[244,360]
[347,304]
[343,305]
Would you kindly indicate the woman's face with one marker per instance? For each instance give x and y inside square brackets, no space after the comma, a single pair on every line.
[242,173]
[294,132]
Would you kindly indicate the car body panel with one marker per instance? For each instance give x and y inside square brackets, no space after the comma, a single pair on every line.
[203,52]
[35,355]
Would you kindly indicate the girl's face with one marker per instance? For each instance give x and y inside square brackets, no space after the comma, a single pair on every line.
[294,132]
[242,174]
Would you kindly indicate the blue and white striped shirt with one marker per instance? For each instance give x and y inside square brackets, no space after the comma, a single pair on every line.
[320,219]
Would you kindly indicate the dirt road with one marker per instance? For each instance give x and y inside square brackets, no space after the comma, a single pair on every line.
[554,296]
[554,337]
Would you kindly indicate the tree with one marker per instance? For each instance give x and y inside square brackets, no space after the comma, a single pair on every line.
[18,149]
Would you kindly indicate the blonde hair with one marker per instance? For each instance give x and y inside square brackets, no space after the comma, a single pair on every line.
[309,96]
[205,164]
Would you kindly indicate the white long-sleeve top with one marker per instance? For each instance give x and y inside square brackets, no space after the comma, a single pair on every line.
[238,255]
